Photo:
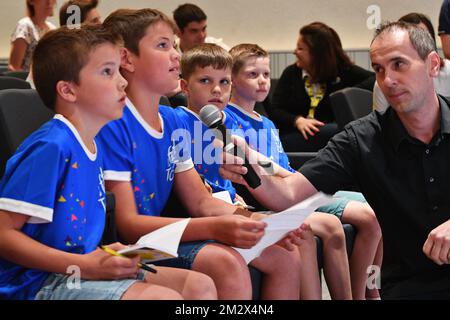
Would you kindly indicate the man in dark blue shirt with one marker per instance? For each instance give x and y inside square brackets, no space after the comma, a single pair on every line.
[400,162]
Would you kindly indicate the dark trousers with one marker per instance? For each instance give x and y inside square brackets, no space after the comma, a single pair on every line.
[294,141]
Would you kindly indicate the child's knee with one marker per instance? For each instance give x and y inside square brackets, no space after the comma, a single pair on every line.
[200,287]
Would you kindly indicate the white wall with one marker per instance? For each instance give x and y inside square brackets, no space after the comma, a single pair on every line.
[272,24]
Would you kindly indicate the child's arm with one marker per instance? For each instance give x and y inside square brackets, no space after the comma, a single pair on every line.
[189,189]
[18,248]
[230,229]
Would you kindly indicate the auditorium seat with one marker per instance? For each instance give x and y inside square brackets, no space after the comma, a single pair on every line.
[350,104]
[13,83]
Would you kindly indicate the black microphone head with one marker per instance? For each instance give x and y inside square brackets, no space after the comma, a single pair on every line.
[210,115]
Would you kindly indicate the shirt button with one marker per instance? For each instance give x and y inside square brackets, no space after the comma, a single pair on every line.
[427,151]
[435,208]
[431,179]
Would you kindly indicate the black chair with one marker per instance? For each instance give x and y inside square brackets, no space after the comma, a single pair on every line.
[164,101]
[13,83]
[350,104]
[21,113]
[297,159]
[16,74]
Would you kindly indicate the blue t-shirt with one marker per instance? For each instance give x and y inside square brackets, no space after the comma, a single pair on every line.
[135,152]
[260,134]
[206,157]
[54,179]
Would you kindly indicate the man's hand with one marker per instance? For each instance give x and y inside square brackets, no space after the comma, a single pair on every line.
[437,246]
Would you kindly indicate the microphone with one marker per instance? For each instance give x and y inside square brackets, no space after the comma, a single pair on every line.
[211,116]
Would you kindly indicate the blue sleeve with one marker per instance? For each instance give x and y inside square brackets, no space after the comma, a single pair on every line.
[444,18]
[117,152]
[32,179]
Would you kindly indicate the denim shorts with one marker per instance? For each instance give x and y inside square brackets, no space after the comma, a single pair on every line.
[62,287]
[342,199]
[187,251]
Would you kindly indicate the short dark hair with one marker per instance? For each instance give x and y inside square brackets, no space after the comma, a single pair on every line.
[421,40]
[131,25]
[187,13]
[242,52]
[84,5]
[202,56]
[327,55]
[61,54]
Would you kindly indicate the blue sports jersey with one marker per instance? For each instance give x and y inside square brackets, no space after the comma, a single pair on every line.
[206,158]
[54,179]
[135,152]
[260,134]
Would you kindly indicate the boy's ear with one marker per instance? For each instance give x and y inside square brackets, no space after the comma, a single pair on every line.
[184,86]
[66,91]
[126,60]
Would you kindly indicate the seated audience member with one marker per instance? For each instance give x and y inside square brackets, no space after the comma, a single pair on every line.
[398,159]
[441,82]
[52,196]
[192,25]
[87,11]
[145,161]
[28,32]
[444,27]
[251,84]
[300,106]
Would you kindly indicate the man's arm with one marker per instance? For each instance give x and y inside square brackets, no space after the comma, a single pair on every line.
[279,188]
[445,40]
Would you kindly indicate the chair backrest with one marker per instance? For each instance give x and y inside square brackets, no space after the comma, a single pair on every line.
[16,74]
[266,104]
[13,83]
[21,112]
[350,104]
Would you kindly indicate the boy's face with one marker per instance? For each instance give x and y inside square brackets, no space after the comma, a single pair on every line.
[252,81]
[208,86]
[158,63]
[101,89]
[193,34]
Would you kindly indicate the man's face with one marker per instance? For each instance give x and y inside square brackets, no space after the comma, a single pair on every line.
[193,34]
[404,78]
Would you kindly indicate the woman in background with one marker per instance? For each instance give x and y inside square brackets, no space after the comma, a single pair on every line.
[28,32]
[300,106]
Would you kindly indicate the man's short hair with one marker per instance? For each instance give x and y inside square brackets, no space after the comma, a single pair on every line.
[421,39]
[61,54]
[187,13]
[202,56]
[242,52]
[131,25]
[84,5]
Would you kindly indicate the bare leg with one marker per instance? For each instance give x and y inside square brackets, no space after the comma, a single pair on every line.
[336,268]
[362,217]
[227,269]
[191,285]
[310,288]
[281,270]
[374,294]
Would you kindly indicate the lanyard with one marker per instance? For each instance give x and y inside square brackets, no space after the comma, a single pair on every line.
[315,96]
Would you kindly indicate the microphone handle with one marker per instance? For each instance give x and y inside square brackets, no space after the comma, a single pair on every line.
[251,177]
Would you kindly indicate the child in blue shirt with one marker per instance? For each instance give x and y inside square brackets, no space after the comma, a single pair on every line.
[52,196]
[206,79]
[251,83]
[145,160]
